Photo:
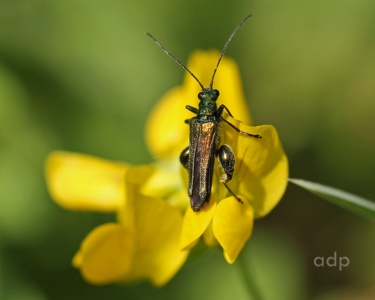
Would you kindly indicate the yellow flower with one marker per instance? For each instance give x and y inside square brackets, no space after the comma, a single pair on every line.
[151,239]
[261,167]
[144,243]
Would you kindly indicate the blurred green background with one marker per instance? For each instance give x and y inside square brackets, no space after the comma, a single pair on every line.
[81,76]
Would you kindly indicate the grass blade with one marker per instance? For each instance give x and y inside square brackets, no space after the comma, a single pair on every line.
[359,205]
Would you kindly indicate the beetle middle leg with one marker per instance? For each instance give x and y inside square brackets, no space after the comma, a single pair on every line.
[226,160]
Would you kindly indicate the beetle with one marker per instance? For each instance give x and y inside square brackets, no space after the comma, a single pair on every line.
[204,139]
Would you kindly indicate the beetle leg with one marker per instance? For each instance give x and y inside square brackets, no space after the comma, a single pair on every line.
[220,112]
[233,194]
[226,160]
[192,109]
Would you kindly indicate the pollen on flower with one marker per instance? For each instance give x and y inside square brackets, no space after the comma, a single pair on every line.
[224,178]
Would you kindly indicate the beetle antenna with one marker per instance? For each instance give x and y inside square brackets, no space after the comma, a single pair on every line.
[174,58]
[225,48]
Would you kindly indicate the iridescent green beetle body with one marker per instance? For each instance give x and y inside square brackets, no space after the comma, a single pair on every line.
[199,157]
[204,140]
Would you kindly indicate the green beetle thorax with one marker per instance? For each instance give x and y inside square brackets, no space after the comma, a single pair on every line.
[207,104]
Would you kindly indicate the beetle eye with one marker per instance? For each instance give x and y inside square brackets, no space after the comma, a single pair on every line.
[216,94]
[200,95]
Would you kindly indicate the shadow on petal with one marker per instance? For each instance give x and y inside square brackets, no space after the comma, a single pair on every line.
[261,167]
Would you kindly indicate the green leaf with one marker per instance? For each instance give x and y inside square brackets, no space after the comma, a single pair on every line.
[359,205]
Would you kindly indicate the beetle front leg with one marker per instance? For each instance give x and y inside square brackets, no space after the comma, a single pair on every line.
[184,157]
[192,109]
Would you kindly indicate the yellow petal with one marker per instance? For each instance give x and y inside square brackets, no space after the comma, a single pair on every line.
[157,226]
[195,223]
[136,178]
[140,175]
[232,226]
[165,183]
[105,255]
[261,166]
[209,237]
[166,132]
[82,182]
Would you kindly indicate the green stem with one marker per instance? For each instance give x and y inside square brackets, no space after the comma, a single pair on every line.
[247,278]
